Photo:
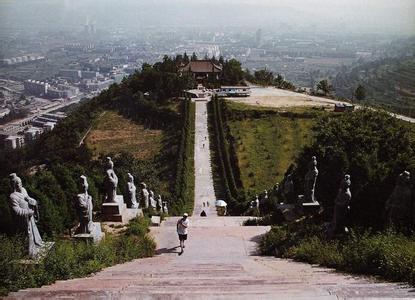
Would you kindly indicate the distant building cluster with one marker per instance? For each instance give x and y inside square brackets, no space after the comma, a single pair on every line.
[38,125]
[21,60]
[43,89]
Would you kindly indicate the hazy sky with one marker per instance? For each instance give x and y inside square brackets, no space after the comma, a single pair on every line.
[376,16]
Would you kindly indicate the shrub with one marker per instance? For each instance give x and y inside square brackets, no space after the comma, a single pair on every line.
[71,260]
[386,254]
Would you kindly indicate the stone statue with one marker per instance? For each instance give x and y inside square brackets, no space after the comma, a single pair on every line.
[398,206]
[288,189]
[84,207]
[153,202]
[144,195]
[277,187]
[111,182]
[25,209]
[160,203]
[257,202]
[310,181]
[341,207]
[132,191]
[165,209]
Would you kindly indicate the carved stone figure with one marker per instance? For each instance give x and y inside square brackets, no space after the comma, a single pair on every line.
[132,191]
[288,189]
[153,202]
[160,203]
[84,207]
[165,209]
[25,209]
[257,202]
[341,208]
[144,195]
[398,206]
[111,182]
[310,181]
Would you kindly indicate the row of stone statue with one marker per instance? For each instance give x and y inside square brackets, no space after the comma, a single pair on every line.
[145,197]
[398,210]
[25,208]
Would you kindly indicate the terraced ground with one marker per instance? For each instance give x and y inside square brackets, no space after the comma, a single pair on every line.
[112,133]
[389,84]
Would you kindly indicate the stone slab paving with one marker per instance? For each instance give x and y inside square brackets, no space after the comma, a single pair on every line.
[204,191]
[220,261]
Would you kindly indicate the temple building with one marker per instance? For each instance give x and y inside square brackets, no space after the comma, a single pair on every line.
[202,70]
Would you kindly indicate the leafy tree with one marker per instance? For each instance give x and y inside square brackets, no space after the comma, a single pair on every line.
[324,86]
[372,147]
[232,72]
[264,77]
[194,57]
[185,58]
[360,93]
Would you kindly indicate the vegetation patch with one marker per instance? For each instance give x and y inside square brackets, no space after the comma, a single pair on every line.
[113,133]
[71,260]
[388,254]
[267,144]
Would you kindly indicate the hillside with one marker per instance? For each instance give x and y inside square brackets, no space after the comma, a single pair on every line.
[389,83]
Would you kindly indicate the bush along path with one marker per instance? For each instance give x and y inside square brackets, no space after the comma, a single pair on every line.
[185,176]
[224,159]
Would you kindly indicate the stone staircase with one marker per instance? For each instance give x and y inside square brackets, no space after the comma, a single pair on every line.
[220,261]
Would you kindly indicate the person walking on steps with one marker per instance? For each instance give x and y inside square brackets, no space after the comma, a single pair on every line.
[182,226]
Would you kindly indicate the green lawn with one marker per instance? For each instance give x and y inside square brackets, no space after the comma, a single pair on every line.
[267,145]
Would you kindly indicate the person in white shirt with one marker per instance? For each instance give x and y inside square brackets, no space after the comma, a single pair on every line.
[182,226]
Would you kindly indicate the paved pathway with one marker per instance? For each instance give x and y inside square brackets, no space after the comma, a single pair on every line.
[204,191]
[220,261]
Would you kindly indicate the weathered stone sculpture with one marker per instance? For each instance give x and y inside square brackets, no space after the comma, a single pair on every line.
[341,208]
[310,181]
[110,183]
[165,209]
[398,206]
[144,195]
[87,230]
[153,202]
[25,209]
[257,202]
[288,189]
[84,207]
[132,191]
[160,203]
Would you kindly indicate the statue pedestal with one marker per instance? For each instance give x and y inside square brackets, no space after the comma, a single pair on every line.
[95,236]
[288,212]
[311,208]
[118,212]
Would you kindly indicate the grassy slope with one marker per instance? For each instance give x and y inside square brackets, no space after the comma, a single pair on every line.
[267,145]
[389,84]
[112,133]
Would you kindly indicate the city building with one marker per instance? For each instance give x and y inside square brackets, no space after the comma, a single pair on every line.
[89,74]
[73,75]
[32,134]
[37,88]
[62,91]
[14,141]
[98,85]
